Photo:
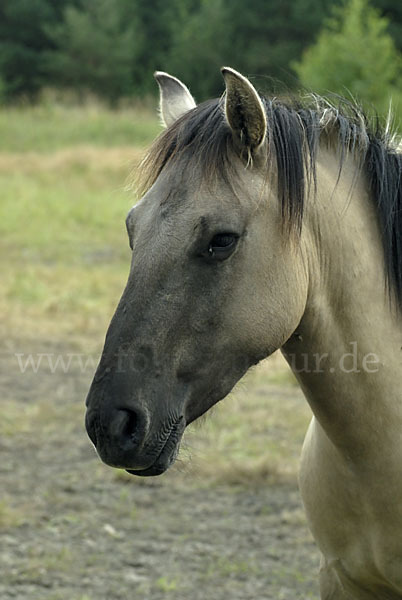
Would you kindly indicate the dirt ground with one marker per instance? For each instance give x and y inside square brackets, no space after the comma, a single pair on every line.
[73,529]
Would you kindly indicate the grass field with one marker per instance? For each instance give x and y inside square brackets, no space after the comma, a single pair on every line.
[64,259]
[62,176]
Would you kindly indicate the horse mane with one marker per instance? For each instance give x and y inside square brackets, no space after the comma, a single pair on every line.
[203,139]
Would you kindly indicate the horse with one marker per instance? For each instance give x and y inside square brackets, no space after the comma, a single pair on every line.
[266,224]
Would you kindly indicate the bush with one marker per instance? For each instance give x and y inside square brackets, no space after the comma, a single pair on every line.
[354,54]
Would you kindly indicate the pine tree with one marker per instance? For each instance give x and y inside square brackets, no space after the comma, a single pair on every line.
[95,49]
[24,43]
[354,55]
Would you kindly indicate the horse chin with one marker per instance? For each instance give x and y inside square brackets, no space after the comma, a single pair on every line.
[165,460]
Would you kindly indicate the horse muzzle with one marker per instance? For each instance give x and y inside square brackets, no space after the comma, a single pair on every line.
[126,439]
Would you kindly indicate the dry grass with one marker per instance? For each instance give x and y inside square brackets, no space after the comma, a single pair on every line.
[64,254]
[92,159]
[51,126]
[255,435]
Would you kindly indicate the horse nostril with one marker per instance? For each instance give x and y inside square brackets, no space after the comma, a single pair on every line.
[130,426]
[125,427]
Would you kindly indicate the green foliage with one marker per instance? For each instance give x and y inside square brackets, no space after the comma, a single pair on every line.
[393,12]
[354,53]
[259,39]
[111,47]
[96,48]
[3,90]
[23,43]
[166,584]
[267,38]
[161,23]
[200,49]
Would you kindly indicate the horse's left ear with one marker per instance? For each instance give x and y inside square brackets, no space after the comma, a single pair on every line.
[244,110]
[175,98]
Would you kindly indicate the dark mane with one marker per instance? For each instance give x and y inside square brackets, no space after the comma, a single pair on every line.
[202,138]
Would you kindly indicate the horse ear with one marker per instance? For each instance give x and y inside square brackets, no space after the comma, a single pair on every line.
[244,110]
[175,98]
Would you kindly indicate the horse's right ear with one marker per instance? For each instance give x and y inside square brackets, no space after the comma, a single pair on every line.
[175,98]
[244,110]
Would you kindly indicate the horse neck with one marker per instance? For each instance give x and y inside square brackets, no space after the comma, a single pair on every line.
[347,350]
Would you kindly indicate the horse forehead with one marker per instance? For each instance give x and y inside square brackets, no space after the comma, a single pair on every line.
[183,204]
[154,220]
[157,210]
[181,195]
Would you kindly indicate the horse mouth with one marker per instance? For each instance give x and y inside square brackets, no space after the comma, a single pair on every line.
[167,455]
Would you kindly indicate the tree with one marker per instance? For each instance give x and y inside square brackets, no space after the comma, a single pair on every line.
[95,49]
[353,53]
[199,49]
[111,47]
[258,38]
[23,44]
[267,36]
[161,23]
[393,12]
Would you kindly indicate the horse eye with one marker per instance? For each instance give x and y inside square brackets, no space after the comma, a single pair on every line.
[222,245]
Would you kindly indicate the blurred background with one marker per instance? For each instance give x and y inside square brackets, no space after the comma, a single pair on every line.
[109,48]
[77,110]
